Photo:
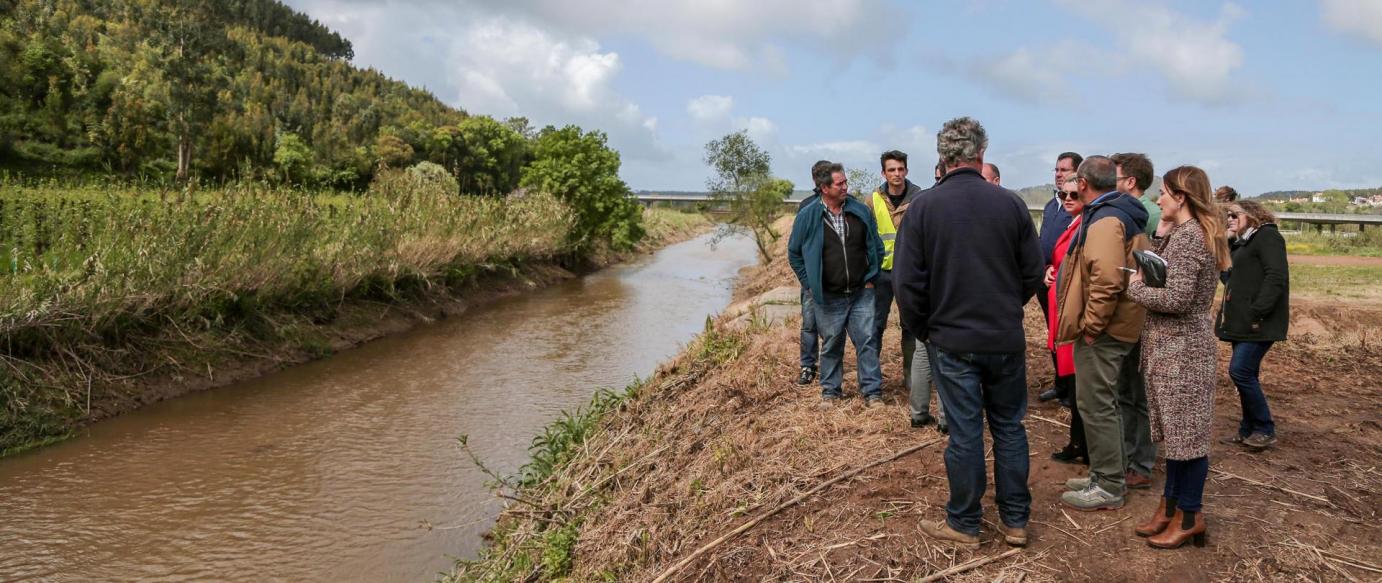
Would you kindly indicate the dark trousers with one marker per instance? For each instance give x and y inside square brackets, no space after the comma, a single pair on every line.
[1243,368]
[1063,385]
[810,338]
[973,387]
[1138,449]
[1185,482]
[1076,425]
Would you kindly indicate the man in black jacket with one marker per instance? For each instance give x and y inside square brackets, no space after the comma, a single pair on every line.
[967,260]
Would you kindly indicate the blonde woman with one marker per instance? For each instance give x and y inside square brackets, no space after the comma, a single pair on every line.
[1179,352]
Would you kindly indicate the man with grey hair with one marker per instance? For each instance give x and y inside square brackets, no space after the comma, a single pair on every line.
[1103,322]
[963,294]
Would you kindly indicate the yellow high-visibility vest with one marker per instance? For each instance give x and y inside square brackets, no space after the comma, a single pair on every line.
[886,230]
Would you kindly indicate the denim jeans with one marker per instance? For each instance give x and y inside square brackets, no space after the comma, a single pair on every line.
[916,360]
[1243,368]
[810,350]
[850,314]
[972,387]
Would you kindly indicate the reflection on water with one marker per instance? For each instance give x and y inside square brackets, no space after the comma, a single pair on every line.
[347,468]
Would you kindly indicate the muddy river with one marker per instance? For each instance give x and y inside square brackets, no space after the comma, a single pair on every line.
[347,468]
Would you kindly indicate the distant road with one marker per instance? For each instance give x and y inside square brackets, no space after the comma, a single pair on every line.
[1311,218]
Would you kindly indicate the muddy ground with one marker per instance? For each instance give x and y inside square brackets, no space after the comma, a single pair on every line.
[709,451]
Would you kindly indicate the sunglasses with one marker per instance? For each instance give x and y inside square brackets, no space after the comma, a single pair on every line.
[1067,195]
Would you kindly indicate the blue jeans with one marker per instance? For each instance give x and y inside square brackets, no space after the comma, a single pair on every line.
[809,336]
[848,314]
[1243,368]
[972,387]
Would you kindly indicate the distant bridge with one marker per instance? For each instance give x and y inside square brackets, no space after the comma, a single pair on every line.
[710,206]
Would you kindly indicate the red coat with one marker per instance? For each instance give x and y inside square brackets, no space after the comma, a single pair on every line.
[1065,355]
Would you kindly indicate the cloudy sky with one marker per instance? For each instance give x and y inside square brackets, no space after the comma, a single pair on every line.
[1267,95]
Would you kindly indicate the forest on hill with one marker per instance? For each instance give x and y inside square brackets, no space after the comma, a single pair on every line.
[221,91]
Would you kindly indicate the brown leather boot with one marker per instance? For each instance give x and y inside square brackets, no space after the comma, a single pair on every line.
[1159,520]
[1176,535]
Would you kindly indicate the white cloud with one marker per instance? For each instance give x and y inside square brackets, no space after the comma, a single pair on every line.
[840,150]
[1025,74]
[1361,18]
[1196,58]
[710,108]
[493,64]
[760,128]
[725,34]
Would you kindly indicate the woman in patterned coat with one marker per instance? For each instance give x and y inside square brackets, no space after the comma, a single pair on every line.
[1179,351]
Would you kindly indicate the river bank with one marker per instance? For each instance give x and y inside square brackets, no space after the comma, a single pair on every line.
[116,300]
[721,468]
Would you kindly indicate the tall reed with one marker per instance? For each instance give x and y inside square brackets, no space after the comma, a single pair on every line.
[88,273]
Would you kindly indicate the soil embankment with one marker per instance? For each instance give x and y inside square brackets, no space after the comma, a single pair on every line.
[718,464]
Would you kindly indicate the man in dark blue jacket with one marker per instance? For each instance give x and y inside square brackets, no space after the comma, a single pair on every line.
[966,261]
[810,351]
[835,252]
[1054,221]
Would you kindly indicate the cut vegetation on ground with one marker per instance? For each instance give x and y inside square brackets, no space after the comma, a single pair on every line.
[721,468]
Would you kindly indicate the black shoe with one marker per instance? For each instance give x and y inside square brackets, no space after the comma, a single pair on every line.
[1071,455]
[919,422]
[1068,403]
[943,428]
[808,374]
[1047,395]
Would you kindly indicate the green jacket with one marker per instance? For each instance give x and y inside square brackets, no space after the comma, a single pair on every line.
[1153,212]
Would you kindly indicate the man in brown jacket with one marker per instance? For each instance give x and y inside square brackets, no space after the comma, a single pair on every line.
[1104,323]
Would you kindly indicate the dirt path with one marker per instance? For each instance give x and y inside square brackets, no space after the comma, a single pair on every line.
[1344,260]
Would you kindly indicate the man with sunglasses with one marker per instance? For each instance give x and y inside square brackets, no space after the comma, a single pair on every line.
[1054,221]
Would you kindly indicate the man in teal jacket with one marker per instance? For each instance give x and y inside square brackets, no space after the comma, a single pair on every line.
[836,253]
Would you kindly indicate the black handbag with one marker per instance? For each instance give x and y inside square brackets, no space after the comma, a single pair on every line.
[1152,266]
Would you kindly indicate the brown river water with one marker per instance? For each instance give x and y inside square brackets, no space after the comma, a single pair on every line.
[347,469]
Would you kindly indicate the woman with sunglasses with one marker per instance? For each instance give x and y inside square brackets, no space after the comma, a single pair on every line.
[1255,313]
[1178,351]
[1074,452]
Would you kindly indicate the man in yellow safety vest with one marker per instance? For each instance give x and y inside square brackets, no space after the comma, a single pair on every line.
[888,204]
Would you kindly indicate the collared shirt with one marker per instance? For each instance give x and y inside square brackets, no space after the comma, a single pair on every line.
[837,223]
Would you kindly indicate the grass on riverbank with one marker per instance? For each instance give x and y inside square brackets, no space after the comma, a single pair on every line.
[1347,240]
[1338,282]
[100,286]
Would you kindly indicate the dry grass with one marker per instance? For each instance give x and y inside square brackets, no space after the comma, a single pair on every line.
[713,443]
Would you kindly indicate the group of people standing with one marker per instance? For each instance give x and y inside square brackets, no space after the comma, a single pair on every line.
[1135,359]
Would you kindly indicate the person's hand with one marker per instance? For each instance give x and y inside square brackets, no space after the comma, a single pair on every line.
[868,285]
[1136,277]
[1050,275]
